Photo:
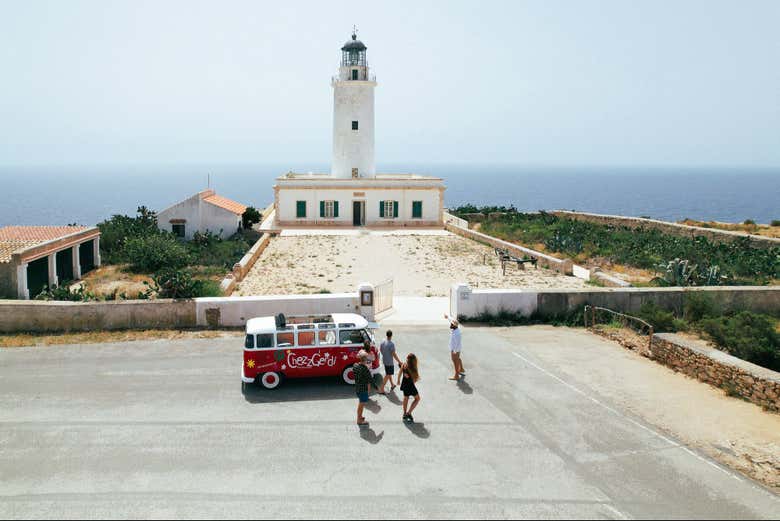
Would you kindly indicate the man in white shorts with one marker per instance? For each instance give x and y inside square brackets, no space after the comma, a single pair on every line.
[455,348]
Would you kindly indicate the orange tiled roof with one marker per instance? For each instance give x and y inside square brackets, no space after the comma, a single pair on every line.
[14,238]
[227,204]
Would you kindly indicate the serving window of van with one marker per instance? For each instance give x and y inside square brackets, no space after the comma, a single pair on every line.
[327,337]
[285,337]
[306,335]
[352,336]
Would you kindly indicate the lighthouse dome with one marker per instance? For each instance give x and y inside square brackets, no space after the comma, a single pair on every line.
[354,45]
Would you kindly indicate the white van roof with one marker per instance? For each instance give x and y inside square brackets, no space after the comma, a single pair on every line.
[268,324]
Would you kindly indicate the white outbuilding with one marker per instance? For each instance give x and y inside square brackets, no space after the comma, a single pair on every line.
[204,211]
[353,194]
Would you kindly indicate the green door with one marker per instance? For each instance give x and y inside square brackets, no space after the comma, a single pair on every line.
[416,209]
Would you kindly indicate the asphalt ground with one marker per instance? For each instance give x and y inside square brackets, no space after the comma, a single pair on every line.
[161,429]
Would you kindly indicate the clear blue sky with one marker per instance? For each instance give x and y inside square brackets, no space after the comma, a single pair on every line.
[527,82]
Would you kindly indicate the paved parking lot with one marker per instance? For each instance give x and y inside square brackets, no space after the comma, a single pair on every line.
[161,429]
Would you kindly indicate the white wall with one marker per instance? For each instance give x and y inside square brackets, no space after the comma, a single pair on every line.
[353,101]
[466,302]
[235,311]
[404,196]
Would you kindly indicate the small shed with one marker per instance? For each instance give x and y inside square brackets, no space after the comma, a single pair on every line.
[204,211]
[32,257]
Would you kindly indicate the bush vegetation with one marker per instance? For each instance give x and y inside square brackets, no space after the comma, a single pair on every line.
[695,261]
[180,284]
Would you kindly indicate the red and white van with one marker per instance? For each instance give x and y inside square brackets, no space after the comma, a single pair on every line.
[281,347]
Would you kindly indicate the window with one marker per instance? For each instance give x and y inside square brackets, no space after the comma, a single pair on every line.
[327,338]
[329,209]
[300,209]
[355,173]
[249,342]
[178,230]
[354,75]
[416,209]
[388,209]
[353,336]
[265,340]
[354,125]
[285,337]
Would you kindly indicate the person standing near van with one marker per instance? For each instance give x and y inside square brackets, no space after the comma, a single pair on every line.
[362,384]
[455,348]
[410,373]
[389,357]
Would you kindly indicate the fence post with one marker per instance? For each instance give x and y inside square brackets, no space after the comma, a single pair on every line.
[366,300]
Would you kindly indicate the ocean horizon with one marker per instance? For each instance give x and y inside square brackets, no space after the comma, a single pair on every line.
[54,195]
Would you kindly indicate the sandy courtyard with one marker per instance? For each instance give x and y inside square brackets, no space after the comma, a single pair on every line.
[424,265]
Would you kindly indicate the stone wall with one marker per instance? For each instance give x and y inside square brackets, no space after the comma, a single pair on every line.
[34,316]
[739,378]
[681,230]
[466,302]
[242,267]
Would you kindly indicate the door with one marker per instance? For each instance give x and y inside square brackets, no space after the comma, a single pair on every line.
[358,213]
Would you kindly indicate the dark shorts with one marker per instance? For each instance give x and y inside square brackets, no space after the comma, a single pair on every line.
[389,370]
[362,397]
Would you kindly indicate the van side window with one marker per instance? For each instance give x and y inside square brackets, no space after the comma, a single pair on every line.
[305,338]
[265,340]
[351,336]
[327,338]
[249,342]
[285,338]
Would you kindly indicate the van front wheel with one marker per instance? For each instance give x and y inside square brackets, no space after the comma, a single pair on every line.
[271,380]
[348,375]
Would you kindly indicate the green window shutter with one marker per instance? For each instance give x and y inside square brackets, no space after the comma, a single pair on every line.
[322,208]
[416,209]
[335,208]
[381,208]
[395,208]
[300,209]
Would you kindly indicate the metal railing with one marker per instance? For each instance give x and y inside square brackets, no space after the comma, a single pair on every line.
[595,315]
[383,296]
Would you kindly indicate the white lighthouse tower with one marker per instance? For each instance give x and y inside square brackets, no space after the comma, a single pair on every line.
[353,114]
[353,194]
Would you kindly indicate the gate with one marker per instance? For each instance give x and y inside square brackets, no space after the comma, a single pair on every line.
[383,296]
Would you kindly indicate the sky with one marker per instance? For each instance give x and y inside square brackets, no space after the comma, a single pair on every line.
[550,82]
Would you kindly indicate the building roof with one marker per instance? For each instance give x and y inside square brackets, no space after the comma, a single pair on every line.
[225,203]
[354,44]
[16,238]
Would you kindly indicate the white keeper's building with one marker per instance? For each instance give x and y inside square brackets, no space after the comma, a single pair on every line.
[353,194]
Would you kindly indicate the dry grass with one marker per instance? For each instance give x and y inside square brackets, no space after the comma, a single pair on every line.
[755,229]
[110,279]
[99,337]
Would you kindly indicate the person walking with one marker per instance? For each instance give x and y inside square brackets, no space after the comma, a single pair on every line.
[362,384]
[389,357]
[410,373]
[455,348]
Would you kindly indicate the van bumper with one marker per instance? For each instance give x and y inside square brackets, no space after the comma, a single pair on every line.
[245,379]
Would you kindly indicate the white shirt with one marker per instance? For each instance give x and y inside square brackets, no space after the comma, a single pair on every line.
[455,344]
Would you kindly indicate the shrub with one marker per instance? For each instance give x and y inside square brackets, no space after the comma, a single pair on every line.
[115,231]
[660,319]
[748,336]
[155,252]
[749,222]
[251,216]
[775,222]
[210,250]
[176,284]
[64,292]
[699,306]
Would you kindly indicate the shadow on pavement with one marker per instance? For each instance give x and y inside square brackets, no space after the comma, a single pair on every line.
[418,429]
[368,434]
[300,390]
[373,406]
[464,386]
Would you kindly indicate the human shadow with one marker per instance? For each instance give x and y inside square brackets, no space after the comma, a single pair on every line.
[299,390]
[373,406]
[418,429]
[393,398]
[464,386]
[368,434]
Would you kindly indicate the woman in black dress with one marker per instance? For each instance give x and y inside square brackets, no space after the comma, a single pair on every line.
[410,376]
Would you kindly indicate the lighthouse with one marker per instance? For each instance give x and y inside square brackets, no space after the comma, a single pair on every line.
[353,114]
[353,194]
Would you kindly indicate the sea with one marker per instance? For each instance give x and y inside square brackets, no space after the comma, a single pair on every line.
[56,195]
